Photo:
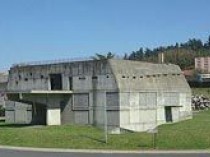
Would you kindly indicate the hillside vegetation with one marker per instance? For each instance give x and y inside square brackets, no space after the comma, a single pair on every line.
[182,54]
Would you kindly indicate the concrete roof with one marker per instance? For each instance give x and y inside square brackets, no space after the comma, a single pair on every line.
[143,68]
[141,76]
[41,92]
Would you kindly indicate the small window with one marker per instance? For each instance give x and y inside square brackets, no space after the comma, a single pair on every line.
[107,76]
[134,77]
[31,74]
[82,78]
[16,82]
[141,76]
[26,79]
[20,77]
[42,76]
[164,74]
[148,76]
[123,76]
[95,77]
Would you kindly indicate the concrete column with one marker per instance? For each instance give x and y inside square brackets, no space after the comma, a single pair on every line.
[53,116]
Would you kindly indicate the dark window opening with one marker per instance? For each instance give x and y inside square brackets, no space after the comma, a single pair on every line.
[123,76]
[141,76]
[168,114]
[134,77]
[26,79]
[70,83]
[42,76]
[16,82]
[56,81]
[107,76]
[82,78]
[94,77]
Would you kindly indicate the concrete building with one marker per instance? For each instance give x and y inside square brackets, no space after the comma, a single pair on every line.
[202,64]
[3,87]
[127,95]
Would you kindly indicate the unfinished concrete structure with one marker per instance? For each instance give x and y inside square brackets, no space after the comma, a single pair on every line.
[127,95]
[3,87]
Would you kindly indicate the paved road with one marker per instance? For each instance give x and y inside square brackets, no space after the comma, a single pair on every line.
[18,153]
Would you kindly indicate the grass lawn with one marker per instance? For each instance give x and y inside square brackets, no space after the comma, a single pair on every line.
[190,134]
[70,136]
[201,91]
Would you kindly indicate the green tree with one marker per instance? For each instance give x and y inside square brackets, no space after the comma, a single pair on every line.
[98,56]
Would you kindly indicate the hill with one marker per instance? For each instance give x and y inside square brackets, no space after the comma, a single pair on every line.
[182,54]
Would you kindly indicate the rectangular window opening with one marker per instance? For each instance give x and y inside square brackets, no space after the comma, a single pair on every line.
[70,83]
[56,81]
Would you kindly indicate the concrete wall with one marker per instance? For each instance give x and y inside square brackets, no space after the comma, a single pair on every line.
[19,113]
[3,87]
[138,111]
[134,94]
[90,83]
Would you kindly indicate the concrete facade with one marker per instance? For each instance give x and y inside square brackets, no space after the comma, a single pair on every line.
[127,95]
[3,87]
[202,64]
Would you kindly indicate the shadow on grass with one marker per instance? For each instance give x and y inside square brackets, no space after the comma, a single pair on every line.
[2,121]
[93,138]
[14,125]
[6,125]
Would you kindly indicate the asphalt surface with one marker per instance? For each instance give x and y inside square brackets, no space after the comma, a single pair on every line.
[19,153]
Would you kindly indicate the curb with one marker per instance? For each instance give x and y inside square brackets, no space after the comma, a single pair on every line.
[57,150]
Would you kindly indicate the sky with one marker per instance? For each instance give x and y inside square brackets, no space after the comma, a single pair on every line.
[37,30]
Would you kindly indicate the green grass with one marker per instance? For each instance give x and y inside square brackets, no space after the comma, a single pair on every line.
[189,134]
[201,91]
[70,136]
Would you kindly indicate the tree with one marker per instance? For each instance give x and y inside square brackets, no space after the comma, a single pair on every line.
[207,44]
[140,54]
[132,56]
[126,57]
[195,44]
[148,52]
[98,56]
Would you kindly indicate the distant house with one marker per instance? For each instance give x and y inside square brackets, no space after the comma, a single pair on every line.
[128,95]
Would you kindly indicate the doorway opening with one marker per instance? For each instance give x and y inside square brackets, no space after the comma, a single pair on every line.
[56,81]
[168,114]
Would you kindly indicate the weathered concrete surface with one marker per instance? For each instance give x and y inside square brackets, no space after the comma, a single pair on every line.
[128,95]
[3,87]
[53,117]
